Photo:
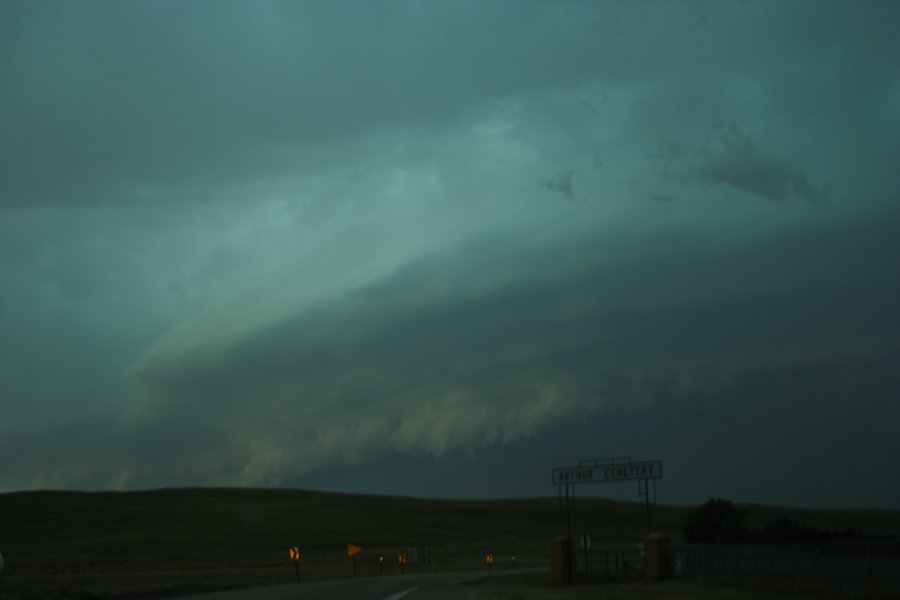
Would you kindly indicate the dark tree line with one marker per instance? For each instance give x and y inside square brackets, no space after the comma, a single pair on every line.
[718,521]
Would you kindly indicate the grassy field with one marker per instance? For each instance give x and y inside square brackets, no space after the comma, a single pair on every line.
[207,538]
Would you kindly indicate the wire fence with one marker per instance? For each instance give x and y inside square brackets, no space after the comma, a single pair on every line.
[609,564]
[858,569]
[846,570]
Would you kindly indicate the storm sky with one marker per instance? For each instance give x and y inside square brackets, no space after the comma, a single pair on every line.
[438,248]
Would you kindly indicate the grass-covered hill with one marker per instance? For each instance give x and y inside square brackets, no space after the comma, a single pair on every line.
[113,541]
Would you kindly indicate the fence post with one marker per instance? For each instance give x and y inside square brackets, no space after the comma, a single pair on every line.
[753,558]
[772,570]
[840,551]
[793,571]
[584,545]
[815,572]
[871,579]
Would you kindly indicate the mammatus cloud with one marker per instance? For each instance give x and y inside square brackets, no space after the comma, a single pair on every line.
[740,164]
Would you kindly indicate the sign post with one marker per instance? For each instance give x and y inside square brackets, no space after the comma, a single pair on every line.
[352,551]
[295,558]
[647,504]
[608,472]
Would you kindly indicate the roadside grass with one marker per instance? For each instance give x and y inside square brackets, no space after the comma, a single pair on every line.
[30,592]
[538,587]
[637,591]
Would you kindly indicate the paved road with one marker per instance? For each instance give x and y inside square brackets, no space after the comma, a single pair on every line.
[428,586]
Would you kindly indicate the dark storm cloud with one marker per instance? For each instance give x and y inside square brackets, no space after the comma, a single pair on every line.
[247,244]
[471,366]
[775,436]
[104,102]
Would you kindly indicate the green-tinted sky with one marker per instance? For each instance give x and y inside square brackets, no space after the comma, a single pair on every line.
[437,248]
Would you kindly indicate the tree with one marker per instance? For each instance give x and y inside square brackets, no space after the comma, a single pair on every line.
[714,522]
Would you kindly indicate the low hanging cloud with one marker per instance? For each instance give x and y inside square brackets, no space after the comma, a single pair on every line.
[740,164]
